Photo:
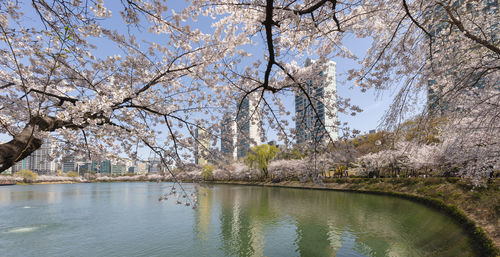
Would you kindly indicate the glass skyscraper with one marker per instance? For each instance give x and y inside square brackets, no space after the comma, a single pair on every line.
[228,136]
[248,125]
[316,115]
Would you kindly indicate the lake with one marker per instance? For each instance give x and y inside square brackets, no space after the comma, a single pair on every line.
[126,219]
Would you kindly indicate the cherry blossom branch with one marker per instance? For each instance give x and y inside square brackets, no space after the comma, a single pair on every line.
[467,33]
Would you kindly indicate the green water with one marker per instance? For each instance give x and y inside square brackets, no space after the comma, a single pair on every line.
[126,219]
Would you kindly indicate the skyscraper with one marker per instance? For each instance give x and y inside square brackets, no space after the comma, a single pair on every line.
[317,124]
[248,125]
[228,136]
[201,146]
[40,161]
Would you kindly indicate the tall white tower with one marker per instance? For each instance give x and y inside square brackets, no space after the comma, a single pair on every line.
[228,137]
[320,125]
[248,122]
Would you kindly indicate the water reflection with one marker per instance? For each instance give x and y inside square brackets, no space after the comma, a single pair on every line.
[30,194]
[126,219]
[203,217]
[241,220]
[248,222]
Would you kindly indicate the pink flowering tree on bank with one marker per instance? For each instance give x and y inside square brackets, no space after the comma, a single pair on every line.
[105,79]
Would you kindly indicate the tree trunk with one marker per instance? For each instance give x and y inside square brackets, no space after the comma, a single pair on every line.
[266,173]
[25,143]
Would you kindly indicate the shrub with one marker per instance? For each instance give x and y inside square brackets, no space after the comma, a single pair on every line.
[240,171]
[72,174]
[286,169]
[260,156]
[207,172]
[221,174]
[27,175]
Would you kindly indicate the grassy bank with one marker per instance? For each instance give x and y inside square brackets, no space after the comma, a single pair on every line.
[477,210]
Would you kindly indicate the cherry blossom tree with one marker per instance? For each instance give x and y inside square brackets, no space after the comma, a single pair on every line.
[56,83]
[472,148]
[107,78]
[449,51]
